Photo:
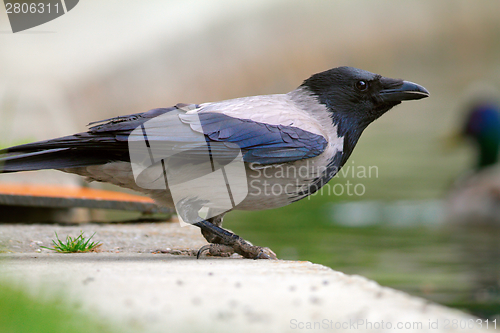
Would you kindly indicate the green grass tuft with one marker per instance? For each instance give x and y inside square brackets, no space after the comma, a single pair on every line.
[74,245]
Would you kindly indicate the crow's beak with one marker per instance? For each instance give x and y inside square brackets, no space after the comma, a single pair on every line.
[407,91]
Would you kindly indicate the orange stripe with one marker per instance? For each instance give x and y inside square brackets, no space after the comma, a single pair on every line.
[56,191]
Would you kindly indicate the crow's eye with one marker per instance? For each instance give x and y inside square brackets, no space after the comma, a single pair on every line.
[361,85]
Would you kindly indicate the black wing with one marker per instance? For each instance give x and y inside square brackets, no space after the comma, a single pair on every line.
[107,142]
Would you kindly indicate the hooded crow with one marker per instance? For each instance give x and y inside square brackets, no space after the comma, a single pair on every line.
[288,146]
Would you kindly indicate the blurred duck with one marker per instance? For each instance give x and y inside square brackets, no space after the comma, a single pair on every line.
[475,198]
[483,127]
[473,206]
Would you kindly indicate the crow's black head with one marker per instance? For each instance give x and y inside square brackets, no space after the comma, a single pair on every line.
[360,95]
[355,97]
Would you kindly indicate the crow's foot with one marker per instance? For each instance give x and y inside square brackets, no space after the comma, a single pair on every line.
[224,243]
[241,247]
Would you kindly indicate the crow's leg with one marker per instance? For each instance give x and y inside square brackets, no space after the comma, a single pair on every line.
[225,243]
[210,236]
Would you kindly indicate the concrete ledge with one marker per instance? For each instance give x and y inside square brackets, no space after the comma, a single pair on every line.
[173,293]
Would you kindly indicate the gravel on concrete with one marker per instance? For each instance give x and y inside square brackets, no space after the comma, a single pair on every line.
[115,237]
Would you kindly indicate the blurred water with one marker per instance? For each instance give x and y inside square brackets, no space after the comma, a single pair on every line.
[403,213]
[462,268]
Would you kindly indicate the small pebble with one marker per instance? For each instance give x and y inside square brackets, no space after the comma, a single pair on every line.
[315,300]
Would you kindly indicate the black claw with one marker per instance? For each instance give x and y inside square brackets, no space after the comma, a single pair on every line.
[228,240]
[202,249]
[262,255]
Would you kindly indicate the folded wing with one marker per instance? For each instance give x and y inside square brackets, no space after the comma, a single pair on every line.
[108,141]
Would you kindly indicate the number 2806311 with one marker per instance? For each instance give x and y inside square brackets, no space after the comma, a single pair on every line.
[31,8]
